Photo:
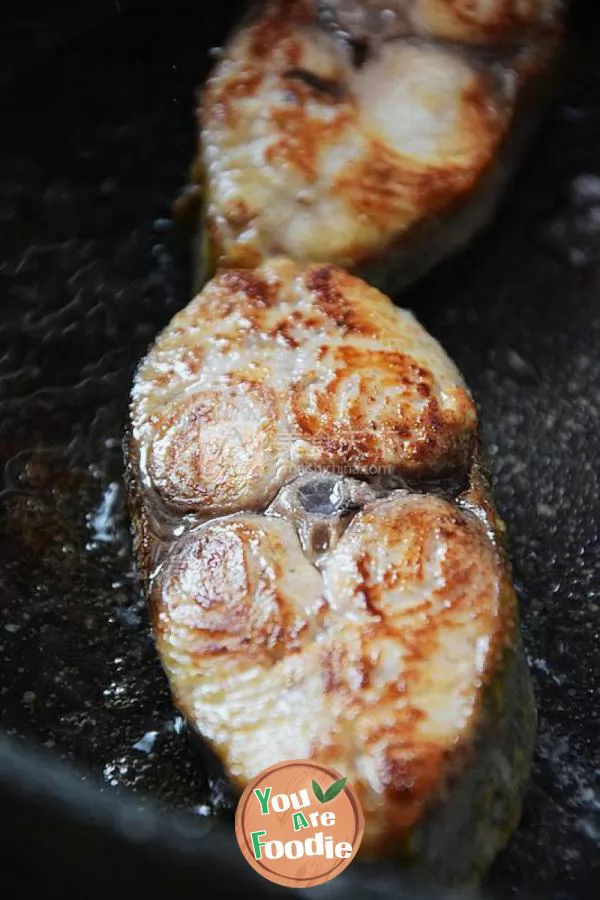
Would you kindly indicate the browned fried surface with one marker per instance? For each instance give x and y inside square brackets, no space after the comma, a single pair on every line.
[367,631]
[305,155]
[376,668]
[268,371]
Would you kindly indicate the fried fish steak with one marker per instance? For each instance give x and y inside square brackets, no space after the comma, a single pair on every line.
[336,132]
[322,559]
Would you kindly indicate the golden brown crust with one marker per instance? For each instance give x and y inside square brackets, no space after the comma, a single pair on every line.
[270,370]
[370,631]
[305,156]
[419,426]
[382,667]
[485,22]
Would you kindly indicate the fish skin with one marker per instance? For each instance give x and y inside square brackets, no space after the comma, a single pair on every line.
[303,605]
[302,154]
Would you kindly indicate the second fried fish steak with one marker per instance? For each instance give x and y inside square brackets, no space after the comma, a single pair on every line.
[377,142]
[322,558]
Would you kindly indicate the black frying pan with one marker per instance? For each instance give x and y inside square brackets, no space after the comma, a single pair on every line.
[102,786]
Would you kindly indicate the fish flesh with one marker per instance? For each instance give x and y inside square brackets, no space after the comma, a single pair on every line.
[324,565]
[377,136]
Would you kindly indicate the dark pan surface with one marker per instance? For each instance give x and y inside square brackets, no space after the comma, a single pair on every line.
[96,141]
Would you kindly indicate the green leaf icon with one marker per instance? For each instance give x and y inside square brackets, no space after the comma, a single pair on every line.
[334,789]
[318,792]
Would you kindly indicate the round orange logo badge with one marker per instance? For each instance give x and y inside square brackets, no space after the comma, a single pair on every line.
[299,823]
